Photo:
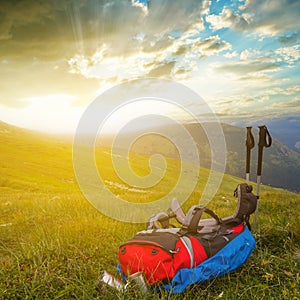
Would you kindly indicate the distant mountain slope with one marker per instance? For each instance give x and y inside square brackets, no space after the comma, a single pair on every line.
[29,157]
[281,165]
[30,160]
[287,131]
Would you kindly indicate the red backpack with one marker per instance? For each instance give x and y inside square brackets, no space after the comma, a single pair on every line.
[160,252]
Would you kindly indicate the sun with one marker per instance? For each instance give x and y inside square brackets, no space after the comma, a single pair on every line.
[52,113]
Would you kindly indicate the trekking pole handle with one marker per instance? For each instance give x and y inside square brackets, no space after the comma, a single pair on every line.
[249,145]
[265,140]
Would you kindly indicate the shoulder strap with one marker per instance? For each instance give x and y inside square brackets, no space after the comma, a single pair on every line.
[177,211]
[191,222]
[159,220]
[247,203]
[162,219]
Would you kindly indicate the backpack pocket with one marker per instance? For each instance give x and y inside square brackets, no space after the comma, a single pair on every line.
[153,259]
[159,255]
[150,251]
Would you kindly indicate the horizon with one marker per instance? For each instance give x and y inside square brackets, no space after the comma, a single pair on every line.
[56,58]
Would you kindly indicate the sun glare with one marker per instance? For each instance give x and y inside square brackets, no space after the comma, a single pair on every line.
[136,110]
[52,113]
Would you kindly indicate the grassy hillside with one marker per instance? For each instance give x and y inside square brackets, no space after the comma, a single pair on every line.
[53,243]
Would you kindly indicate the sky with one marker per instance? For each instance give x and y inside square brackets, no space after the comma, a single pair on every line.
[57,56]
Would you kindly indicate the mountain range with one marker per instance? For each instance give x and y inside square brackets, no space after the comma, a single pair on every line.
[285,129]
[281,165]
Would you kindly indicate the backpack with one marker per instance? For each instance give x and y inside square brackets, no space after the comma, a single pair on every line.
[199,250]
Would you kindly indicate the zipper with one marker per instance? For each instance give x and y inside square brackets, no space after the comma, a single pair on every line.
[143,242]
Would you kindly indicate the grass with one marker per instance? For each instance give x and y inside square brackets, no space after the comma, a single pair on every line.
[54,243]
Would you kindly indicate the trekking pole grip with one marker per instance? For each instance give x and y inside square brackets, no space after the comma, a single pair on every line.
[249,145]
[265,140]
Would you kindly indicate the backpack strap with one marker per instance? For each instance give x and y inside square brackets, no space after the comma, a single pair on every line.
[191,222]
[247,221]
[247,203]
[177,211]
[159,220]
[162,219]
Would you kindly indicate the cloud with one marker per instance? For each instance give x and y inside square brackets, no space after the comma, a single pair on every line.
[55,30]
[20,14]
[289,54]
[241,108]
[265,17]
[248,53]
[258,103]
[115,22]
[231,54]
[35,29]
[244,55]
[175,57]
[249,68]
[181,50]
[211,45]
[253,65]
[200,48]
[75,47]
[290,38]
[287,91]
[19,81]
[259,97]
[109,39]
[227,19]
[293,104]
[143,5]
[122,68]
[273,17]
[243,100]
[156,44]
[164,69]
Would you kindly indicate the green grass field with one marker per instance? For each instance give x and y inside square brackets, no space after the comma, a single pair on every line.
[54,243]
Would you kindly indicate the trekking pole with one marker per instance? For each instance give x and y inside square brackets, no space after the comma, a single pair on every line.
[265,140]
[249,144]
